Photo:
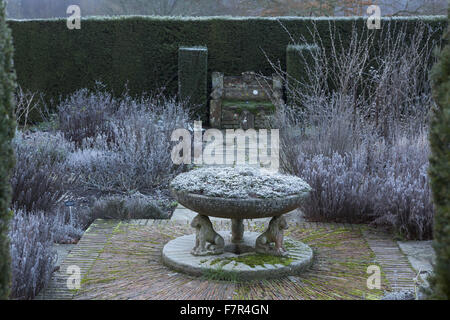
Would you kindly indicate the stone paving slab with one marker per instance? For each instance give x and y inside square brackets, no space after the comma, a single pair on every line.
[62,250]
[122,260]
[420,255]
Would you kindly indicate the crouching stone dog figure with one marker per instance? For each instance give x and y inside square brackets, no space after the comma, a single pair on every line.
[207,241]
[274,233]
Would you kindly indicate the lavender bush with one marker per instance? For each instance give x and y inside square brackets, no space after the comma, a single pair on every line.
[360,139]
[68,226]
[40,178]
[139,158]
[402,197]
[137,206]
[133,154]
[32,255]
[101,144]
[86,114]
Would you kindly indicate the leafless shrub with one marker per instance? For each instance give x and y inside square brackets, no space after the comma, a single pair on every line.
[400,89]
[385,79]
[357,133]
[26,103]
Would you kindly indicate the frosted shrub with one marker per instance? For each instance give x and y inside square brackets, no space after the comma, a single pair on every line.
[32,255]
[133,207]
[359,139]
[125,148]
[67,226]
[40,178]
[139,159]
[341,188]
[362,178]
[402,197]
[86,114]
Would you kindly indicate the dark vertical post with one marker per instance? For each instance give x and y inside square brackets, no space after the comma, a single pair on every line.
[192,79]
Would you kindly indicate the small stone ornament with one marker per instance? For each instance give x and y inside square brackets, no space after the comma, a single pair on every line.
[273,234]
[207,241]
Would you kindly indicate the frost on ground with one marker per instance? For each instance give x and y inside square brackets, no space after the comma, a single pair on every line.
[399,295]
[239,182]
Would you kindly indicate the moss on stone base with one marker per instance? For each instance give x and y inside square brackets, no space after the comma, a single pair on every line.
[253,260]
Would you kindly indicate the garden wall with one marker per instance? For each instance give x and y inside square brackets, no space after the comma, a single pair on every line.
[143,50]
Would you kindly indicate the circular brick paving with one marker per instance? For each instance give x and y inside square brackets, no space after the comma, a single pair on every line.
[121,260]
[176,254]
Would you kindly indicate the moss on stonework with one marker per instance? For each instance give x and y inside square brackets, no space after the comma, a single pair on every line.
[253,260]
[288,245]
[247,103]
[221,275]
[251,106]
[97,281]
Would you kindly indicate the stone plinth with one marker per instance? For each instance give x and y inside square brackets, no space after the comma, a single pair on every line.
[231,266]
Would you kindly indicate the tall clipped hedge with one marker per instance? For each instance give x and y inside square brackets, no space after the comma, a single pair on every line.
[7,129]
[143,50]
[440,172]
[192,78]
[297,58]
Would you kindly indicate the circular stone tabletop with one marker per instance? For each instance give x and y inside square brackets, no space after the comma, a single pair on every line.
[177,255]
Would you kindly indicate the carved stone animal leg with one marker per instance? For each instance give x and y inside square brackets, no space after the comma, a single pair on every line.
[273,234]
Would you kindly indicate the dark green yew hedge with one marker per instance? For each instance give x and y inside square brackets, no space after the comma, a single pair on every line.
[297,59]
[143,50]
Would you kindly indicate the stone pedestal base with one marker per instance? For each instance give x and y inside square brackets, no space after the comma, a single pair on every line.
[229,265]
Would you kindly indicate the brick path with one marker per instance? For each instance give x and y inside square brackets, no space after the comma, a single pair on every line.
[122,260]
[394,263]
